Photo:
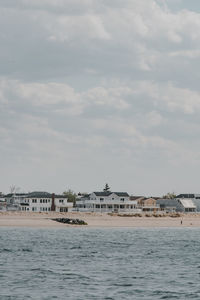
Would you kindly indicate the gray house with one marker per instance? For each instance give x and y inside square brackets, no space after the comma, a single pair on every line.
[177,204]
[195,198]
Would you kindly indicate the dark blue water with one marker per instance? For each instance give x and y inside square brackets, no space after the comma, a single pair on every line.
[83,264]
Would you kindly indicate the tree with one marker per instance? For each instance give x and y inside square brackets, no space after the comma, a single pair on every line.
[106,188]
[169,196]
[71,196]
[14,189]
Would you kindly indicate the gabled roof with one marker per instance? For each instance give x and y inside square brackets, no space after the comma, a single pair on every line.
[187,203]
[106,194]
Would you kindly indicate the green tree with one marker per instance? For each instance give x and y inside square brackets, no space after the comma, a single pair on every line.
[71,196]
[106,188]
[169,196]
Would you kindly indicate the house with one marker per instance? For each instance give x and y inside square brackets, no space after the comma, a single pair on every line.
[195,198]
[38,202]
[177,204]
[148,204]
[107,202]
[14,198]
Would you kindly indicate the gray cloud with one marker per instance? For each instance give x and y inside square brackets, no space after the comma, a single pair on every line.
[96,91]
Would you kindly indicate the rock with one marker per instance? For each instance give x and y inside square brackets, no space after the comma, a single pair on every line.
[70,221]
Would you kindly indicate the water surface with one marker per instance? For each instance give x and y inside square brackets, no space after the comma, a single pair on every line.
[84,263]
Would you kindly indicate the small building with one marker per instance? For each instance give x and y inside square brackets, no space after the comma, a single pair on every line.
[195,198]
[15,198]
[177,204]
[108,202]
[148,204]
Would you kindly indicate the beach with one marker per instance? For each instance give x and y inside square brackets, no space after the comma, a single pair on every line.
[44,220]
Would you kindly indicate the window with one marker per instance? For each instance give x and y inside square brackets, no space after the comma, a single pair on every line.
[101,199]
[40,200]
[63,209]
[61,201]
[122,199]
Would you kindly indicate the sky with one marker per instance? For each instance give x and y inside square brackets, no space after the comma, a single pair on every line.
[96,91]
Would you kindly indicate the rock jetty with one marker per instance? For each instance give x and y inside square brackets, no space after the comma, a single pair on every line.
[70,221]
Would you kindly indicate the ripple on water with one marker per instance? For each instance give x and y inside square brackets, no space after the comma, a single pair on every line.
[104,264]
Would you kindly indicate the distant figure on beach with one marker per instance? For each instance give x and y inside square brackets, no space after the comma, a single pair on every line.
[181,222]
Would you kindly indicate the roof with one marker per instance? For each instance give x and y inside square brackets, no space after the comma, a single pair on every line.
[185,196]
[44,195]
[106,194]
[136,197]
[39,195]
[187,203]
[15,194]
[122,194]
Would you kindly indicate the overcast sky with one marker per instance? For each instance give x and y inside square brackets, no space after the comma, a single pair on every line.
[96,91]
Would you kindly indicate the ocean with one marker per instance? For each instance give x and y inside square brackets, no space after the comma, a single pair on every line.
[105,264]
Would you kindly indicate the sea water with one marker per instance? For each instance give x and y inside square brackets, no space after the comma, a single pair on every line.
[83,263]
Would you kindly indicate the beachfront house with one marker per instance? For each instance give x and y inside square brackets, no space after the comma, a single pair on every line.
[43,202]
[13,201]
[195,198]
[177,204]
[38,202]
[148,204]
[108,202]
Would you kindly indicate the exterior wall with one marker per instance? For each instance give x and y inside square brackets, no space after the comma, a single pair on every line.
[197,203]
[149,202]
[42,204]
[112,197]
[39,204]
[108,204]
[146,202]
[62,205]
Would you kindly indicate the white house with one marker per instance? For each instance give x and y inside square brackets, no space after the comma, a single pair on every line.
[106,202]
[39,202]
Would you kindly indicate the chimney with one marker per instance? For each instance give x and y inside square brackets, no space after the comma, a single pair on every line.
[53,207]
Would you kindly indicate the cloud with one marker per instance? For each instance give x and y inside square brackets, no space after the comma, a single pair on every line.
[89,84]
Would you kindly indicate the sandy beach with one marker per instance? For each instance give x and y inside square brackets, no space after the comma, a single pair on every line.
[44,220]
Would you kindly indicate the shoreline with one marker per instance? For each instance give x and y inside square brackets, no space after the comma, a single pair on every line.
[96,220]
